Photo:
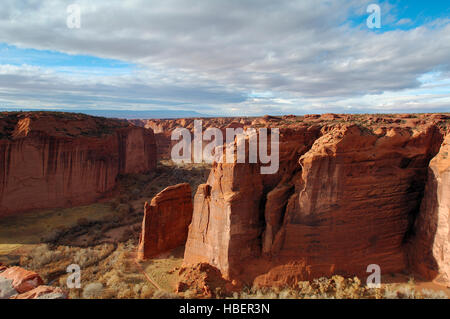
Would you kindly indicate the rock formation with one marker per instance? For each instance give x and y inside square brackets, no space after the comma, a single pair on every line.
[62,159]
[19,283]
[21,280]
[430,253]
[204,280]
[166,221]
[163,130]
[346,196]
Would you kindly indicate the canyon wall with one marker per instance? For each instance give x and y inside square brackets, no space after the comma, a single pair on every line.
[430,252]
[163,129]
[57,159]
[166,221]
[346,195]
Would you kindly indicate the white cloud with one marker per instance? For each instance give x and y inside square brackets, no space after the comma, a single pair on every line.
[216,53]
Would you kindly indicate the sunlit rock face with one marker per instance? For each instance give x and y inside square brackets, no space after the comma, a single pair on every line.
[166,221]
[345,196]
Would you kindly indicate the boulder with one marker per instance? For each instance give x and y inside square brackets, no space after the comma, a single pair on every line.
[21,280]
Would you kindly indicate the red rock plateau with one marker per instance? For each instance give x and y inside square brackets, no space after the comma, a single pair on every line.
[19,283]
[166,221]
[348,194]
[60,159]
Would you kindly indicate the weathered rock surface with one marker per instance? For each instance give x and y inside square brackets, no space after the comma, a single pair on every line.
[345,196]
[430,252]
[228,211]
[166,221]
[60,159]
[204,280]
[19,283]
[22,280]
[43,292]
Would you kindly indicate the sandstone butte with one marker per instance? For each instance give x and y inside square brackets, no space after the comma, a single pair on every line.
[61,159]
[166,221]
[350,192]
[19,283]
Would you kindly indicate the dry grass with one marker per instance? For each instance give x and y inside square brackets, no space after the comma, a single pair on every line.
[161,269]
[338,287]
[31,228]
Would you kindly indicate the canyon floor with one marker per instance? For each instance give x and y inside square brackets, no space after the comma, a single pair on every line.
[103,237]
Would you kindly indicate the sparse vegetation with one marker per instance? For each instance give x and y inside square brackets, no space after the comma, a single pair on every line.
[338,287]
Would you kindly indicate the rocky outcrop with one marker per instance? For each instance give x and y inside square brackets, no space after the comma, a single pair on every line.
[430,252]
[59,159]
[345,196]
[166,221]
[22,280]
[205,281]
[19,283]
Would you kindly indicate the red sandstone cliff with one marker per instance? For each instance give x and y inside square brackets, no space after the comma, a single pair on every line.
[166,221]
[345,196]
[430,252]
[59,159]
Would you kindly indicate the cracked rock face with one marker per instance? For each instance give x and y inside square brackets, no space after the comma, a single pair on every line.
[345,197]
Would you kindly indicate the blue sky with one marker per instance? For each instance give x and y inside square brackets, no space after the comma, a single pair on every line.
[60,62]
[227,57]
[405,14]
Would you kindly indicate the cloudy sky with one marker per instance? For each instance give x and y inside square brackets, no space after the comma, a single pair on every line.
[226,57]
